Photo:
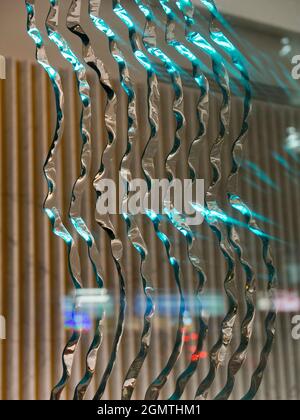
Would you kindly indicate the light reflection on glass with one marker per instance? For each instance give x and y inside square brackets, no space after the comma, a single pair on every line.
[285,47]
[292,141]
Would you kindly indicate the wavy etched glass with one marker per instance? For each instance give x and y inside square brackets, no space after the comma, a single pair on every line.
[146,60]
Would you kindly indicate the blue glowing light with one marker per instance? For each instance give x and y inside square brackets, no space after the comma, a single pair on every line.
[261,174]
[77,321]
[82,229]
[62,231]
[123,15]
[103,27]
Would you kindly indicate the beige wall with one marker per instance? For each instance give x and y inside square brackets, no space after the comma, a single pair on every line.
[277,13]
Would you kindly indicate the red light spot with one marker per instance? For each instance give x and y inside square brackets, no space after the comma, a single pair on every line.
[190,337]
[199,356]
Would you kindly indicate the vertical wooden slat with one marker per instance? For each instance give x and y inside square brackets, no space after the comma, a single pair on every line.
[279,118]
[11,235]
[268,209]
[27,232]
[2,76]
[58,264]
[293,116]
[42,244]
[252,248]
[71,146]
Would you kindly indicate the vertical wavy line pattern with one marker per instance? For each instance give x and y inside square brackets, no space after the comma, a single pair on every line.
[237,203]
[218,352]
[117,247]
[215,217]
[85,158]
[239,356]
[154,389]
[50,203]
[150,40]
[202,115]
[104,220]
[218,68]
[135,236]
[133,231]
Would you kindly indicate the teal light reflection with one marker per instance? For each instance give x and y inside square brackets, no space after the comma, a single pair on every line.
[140,56]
